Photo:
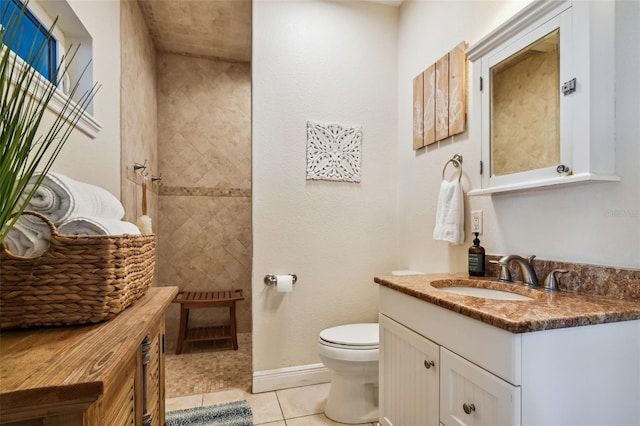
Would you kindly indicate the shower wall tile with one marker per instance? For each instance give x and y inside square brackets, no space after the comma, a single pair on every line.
[204,244]
[205,125]
[204,146]
[139,119]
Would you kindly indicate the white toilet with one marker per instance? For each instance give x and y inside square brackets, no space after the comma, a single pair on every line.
[351,353]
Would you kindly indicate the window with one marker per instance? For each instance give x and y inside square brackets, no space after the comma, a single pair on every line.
[69,37]
[31,40]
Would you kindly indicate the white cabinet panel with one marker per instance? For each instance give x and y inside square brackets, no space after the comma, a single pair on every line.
[409,376]
[473,397]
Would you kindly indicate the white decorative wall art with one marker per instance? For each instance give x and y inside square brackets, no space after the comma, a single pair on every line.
[333,152]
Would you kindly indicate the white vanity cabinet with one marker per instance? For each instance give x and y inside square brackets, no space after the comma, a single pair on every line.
[422,383]
[584,376]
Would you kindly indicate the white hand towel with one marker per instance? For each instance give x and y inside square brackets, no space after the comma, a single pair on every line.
[29,241]
[450,213]
[97,226]
[59,198]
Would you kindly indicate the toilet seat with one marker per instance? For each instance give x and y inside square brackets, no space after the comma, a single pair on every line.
[351,336]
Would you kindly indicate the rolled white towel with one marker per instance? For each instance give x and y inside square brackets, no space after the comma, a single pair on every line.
[28,241]
[97,226]
[60,198]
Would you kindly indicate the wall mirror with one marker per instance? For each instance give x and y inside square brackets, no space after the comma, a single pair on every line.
[525,108]
[532,79]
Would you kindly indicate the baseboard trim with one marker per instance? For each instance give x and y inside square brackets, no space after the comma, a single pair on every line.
[290,377]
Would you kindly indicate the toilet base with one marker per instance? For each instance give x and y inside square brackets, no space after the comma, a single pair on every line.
[352,402]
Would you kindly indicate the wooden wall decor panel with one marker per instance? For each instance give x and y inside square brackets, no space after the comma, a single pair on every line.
[457,92]
[429,105]
[443,101]
[442,98]
[418,107]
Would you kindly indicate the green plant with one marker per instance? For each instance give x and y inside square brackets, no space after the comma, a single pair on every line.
[26,144]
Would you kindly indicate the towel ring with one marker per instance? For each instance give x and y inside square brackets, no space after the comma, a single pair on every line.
[456,160]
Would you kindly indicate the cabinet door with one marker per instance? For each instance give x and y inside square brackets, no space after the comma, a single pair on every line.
[519,104]
[472,396]
[153,376]
[409,376]
[120,399]
[123,412]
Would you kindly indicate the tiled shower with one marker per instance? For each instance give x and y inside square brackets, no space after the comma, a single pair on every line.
[204,155]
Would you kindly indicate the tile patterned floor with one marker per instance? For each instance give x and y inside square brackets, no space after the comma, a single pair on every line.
[208,373]
[302,406]
[206,367]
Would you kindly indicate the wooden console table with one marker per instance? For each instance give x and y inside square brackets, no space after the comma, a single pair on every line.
[209,299]
[88,375]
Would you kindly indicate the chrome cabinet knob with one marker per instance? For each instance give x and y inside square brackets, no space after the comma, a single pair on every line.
[468,408]
[428,364]
[563,170]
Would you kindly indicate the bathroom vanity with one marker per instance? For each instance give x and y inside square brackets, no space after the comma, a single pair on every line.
[559,358]
[109,374]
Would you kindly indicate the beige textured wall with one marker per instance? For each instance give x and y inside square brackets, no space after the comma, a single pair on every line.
[529,222]
[204,136]
[333,62]
[139,117]
[96,161]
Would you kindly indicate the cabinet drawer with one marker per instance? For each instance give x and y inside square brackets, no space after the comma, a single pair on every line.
[470,395]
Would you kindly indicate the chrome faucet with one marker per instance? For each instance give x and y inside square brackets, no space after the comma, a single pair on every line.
[528,274]
[526,267]
[551,282]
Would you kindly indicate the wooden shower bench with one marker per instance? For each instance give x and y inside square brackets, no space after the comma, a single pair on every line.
[207,299]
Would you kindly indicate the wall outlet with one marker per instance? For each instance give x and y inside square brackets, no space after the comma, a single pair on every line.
[476,221]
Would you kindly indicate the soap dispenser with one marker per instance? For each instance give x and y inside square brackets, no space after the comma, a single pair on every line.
[476,258]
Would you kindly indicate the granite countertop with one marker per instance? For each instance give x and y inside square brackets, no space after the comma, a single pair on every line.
[547,310]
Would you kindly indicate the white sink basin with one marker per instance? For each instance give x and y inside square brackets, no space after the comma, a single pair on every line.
[485,293]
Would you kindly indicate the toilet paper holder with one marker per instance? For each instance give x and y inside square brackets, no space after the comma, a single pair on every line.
[271,279]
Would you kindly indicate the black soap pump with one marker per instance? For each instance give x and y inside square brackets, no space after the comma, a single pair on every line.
[476,258]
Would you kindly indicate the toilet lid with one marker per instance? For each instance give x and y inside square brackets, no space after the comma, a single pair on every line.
[363,336]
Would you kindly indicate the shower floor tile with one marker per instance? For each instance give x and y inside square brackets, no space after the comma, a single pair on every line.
[206,367]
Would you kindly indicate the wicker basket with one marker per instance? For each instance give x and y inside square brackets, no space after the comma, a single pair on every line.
[78,280]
